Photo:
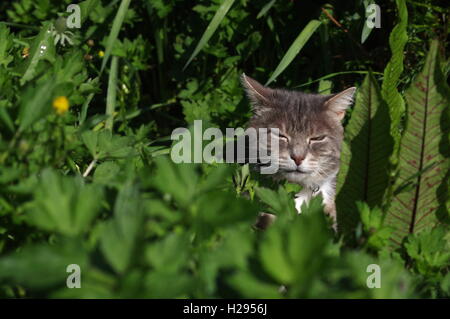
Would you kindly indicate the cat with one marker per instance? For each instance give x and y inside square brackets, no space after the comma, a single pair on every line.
[309,139]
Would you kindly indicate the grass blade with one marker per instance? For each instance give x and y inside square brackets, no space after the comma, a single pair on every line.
[331,75]
[117,24]
[295,48]
[212,27]
[265,9]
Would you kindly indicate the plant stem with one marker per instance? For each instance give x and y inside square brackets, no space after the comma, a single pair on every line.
[112,93]
[90,167]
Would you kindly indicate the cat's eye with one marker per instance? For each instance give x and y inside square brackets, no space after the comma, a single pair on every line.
[317,138]
[283,137]
[280,136]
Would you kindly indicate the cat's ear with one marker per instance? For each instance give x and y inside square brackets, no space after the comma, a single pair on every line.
[258,94]
[340,102]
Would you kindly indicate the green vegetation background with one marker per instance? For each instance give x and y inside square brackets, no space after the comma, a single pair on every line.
[93,186]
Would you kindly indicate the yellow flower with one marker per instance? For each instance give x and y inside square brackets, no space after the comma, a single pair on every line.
[25,52]
[101,54]
[61,105]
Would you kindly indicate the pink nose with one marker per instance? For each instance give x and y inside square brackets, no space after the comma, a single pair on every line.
[297,159]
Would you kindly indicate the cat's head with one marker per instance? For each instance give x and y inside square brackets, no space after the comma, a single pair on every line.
[310,129]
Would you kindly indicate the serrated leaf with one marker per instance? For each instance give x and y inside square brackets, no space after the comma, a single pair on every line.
[5,46]
[397,41]
[424,141]
[106,145]
[63,204]
[42,48]
[430,250]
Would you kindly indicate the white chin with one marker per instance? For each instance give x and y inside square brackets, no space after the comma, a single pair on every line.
[296,177]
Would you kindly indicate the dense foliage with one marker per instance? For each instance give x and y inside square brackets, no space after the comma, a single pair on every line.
[86,116]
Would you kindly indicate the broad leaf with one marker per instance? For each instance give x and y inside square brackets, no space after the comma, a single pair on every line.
[364,166]
[424,142]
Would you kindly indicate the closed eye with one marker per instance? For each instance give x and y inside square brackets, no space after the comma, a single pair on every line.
[280,136]
[317,138]
[283,137]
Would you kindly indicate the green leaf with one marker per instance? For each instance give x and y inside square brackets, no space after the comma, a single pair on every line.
[5,117]
[364,164]
[42,266]
[430,250]
[265,9]
[424,142]
[274,257]
[291,252]
[212,27]
[182,177]
[117,25]
[279,202]
[120,235]
[87,7]
[395,280]
[36,103]
[5,46]
[42,48]
[105,145]
[232,252]
[248,286]
[221,209]
[169,254]
[397,41]
[112,93]
[106,173]
[331,75]
[295,48]
[162,284]
[64,204]
[373,223]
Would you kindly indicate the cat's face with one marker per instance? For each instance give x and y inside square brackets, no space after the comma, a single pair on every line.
[310,129]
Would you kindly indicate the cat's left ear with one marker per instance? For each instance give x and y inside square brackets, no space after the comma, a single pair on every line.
[340,102]
[258,94]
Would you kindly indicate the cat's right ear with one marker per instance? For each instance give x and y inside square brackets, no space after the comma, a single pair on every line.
[258,94]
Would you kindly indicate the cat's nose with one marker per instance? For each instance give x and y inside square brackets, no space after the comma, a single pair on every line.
[298,159]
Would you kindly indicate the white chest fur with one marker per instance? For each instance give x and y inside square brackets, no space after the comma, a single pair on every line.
[326,190]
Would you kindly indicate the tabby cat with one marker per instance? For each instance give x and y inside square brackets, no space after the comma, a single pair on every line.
[310,137]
